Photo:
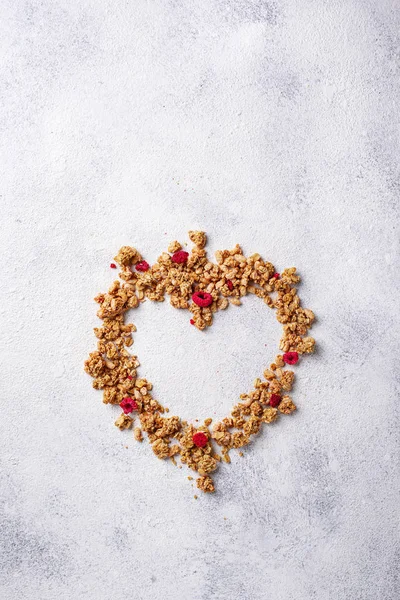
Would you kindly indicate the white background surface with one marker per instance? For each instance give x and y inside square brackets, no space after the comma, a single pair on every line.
[272,124]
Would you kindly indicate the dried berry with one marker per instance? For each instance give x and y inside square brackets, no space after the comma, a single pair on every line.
[276,275]
[113,266]
[200,439]
[229,284]
[192,321]
[180,257]
[142,266]
[202,299]
[274,400]
[128,405]
[291,358]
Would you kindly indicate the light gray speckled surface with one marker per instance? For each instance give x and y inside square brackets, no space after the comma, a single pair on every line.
[273,124]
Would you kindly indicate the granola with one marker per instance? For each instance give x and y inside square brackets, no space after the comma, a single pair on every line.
[193,282]
[124,422]
[205,484]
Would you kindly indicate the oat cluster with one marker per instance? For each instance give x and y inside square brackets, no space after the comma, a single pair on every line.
[185,277]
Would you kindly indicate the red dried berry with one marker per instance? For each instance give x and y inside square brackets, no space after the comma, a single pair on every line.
[200,439]
[142,266]
[291,358]
[180,257]
[276,275]
[274,400]
[129,377]
[202,298]
[128,405]
[113,266]
[192,321]
[229,284]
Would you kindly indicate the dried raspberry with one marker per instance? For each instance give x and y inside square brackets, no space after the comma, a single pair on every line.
[290,358]
[142,266]
[128,405]
[192,321]
[113,266]
[276,275]
[200,439]
[229,284]
[129,377]
[202,298]
[274,400]
[180,257]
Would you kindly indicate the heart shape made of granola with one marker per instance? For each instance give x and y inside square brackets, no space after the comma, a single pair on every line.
[193,282]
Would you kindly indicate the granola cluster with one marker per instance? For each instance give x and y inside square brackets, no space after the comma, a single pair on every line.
[193,282]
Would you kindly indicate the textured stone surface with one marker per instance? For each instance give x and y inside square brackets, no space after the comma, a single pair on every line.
[274,124]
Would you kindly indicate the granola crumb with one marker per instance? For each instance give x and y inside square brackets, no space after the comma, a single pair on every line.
[124,421]
[127,256]
[138,434]
[206,484]
[198,237]
[174,247]
[286,406]
[161,449]
[269,415]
